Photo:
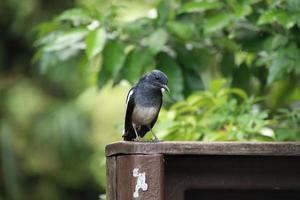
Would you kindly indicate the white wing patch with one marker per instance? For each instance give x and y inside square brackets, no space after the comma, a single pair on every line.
[129,95]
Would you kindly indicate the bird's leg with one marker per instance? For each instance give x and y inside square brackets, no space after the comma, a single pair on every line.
[137,136]
[155,138]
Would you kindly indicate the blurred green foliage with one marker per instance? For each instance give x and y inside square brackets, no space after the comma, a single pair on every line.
[54,122]
[214,115]
[226,114]
[50,122]
[253,43]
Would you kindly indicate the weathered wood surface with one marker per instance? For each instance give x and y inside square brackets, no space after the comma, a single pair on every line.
[149,166]
[203,170]
[111,187]
[205,148]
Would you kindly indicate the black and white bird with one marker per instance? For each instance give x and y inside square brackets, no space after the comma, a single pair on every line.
[143,105]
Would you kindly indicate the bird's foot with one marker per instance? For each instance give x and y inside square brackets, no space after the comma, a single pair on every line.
[137,139]
[155,140]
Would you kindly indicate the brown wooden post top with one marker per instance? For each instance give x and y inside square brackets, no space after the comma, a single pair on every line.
[205,148]
[203,170]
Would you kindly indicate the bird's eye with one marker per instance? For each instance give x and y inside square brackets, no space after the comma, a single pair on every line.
[156,78]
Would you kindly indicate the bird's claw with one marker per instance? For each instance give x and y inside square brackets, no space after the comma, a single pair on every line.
[155,140]
[137,139]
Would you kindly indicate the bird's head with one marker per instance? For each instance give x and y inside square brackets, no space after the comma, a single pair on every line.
[157,79]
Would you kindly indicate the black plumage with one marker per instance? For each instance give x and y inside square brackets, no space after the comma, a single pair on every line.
[144,101]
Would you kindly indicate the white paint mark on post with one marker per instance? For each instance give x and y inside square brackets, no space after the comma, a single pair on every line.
[140,182]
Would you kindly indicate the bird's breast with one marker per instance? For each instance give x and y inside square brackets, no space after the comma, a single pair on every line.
[144,115]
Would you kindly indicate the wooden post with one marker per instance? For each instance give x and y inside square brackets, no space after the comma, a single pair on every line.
[203,170]
[111,175]
[140,177]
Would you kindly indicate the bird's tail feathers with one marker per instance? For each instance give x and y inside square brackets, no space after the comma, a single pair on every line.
[126,138]
[129,135]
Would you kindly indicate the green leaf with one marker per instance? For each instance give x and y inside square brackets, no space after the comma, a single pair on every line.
[113,57]
[238,92]
[163,11]
[139,28]
[136,63]
[279,16]
[284,61]
[199,6]
[241,8]
[95,42]
[76,16]
[230,44]
[173,71]
[45,29]
[182,29]
[103,77]
[62,46]
[275,42]
[216,85]
[217,22]
[66,40]
[241,11]
[266,17]
[156,41]
[241,57]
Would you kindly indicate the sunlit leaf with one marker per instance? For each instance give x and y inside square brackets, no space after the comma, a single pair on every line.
[266,17]
[241,8]
[95,42]
[242,11]
[183,30]
[217,85]
[217,22]
[76,16]
[200,6]
[276,16]
[239,92]
[113,57]
[285,60]
[157,40]
[241,57]
[67,40]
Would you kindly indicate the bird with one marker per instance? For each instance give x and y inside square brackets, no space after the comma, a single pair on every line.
[144,101]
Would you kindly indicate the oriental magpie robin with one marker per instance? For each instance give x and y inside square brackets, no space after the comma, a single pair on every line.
[143,104]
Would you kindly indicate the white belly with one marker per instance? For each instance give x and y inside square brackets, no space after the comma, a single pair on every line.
[143,115]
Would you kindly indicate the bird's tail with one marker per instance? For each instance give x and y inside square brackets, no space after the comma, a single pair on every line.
[129,135]
[126,138]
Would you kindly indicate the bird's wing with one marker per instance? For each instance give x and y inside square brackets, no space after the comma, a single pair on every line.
[129,133]
[129,95]
[144,129]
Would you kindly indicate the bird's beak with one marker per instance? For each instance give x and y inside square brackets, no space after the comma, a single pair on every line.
[165,87]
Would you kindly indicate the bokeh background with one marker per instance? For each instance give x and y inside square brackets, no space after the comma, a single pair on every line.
[66,66]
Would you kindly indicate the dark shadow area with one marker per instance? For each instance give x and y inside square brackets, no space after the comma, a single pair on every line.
[232,177]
